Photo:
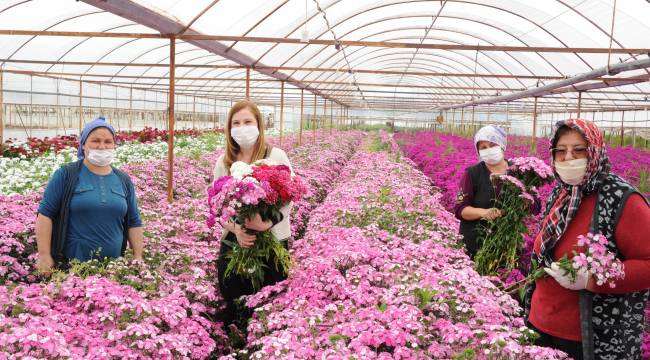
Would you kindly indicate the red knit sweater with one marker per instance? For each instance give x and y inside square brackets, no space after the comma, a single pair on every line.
[554,309]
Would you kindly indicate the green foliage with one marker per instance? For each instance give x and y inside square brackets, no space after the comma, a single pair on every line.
[140,276]
[644,181]
[425,296]
[338,337]
[468,354]
[376,145]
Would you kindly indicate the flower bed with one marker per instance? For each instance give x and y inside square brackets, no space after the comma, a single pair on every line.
[163,309]
[379,275]
[444,158]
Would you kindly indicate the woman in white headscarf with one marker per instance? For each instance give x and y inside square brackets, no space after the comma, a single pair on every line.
[476,196]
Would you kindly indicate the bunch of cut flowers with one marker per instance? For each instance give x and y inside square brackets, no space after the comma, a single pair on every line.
[261,188]
[596,260]
[517,196]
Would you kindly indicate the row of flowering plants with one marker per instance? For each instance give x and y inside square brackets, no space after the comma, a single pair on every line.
[167,307]
[379,275]
[22,176]
[34,147]
[444,158]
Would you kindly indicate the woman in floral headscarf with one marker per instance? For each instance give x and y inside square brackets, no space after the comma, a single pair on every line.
[476,196]
[577,315]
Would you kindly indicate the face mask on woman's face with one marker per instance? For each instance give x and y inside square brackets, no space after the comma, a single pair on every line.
[101,157]
[491,156]
[245,136]
[572,172]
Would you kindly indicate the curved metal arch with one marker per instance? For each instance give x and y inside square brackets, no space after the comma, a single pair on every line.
[259,22]
[18,3]
[422,67]
[442,67]
[51,26]
[83,41]
[606,34]
[431,54]
[188,60]
[441,16]
[412,1]
[457,31]
[379,50]
[146,52]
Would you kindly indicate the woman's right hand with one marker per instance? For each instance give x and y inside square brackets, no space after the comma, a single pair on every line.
[44,264]
[491,214]
[244,239]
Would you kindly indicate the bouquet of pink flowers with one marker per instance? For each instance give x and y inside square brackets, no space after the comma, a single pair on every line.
[254,189]
[502,239]
[596,259]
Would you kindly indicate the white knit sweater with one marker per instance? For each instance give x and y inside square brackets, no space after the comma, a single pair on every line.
[281,230]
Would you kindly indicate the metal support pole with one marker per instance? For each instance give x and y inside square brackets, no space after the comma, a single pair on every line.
[2,114]
[193,112]
[131,109]
[622,129]
[331,116]
[313,122]
[579,104]
[81,109]
[248,83]
[170,135]
[473,120]
[302,114]
[324,112]
[281,110]
[534,136]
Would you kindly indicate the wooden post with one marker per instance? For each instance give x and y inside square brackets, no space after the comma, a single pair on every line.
[622,129]
[579,104]
[462,119]
[248,83]
[81,109]
[634,129]
[331,116]
[170,134]
[534,136]
[2,114]
[281,110]
[302,114]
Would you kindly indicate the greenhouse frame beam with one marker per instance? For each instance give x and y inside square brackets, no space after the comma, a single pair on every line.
[139,13]
[547,89]
[277,40]
[274,69]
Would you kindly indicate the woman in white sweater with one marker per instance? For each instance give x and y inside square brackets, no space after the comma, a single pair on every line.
[245,142]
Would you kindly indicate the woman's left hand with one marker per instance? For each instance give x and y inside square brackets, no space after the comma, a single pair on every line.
[257,224]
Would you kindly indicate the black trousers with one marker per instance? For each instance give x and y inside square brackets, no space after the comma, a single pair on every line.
[234,286]
[573,348]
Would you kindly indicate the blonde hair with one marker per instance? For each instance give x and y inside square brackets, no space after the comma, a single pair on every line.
[232,148]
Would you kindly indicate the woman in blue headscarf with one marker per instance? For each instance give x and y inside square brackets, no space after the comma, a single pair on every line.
[89,208]
[476,196]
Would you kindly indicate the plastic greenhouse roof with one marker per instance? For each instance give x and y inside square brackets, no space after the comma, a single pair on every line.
[360,60]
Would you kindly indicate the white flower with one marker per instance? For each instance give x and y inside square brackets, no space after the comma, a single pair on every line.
[240,169]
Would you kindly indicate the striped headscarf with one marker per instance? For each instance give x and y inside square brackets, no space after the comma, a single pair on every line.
[568,197]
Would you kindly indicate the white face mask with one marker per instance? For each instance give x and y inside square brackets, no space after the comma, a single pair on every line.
[245,136]
[572,172]
[491,156]
[101,157]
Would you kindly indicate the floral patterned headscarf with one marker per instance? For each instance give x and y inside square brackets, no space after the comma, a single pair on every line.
[568,200]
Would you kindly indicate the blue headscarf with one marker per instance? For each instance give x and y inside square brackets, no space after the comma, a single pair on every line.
[97,123]
[492,134]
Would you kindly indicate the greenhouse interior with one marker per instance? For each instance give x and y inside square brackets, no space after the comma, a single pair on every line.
[324,179]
